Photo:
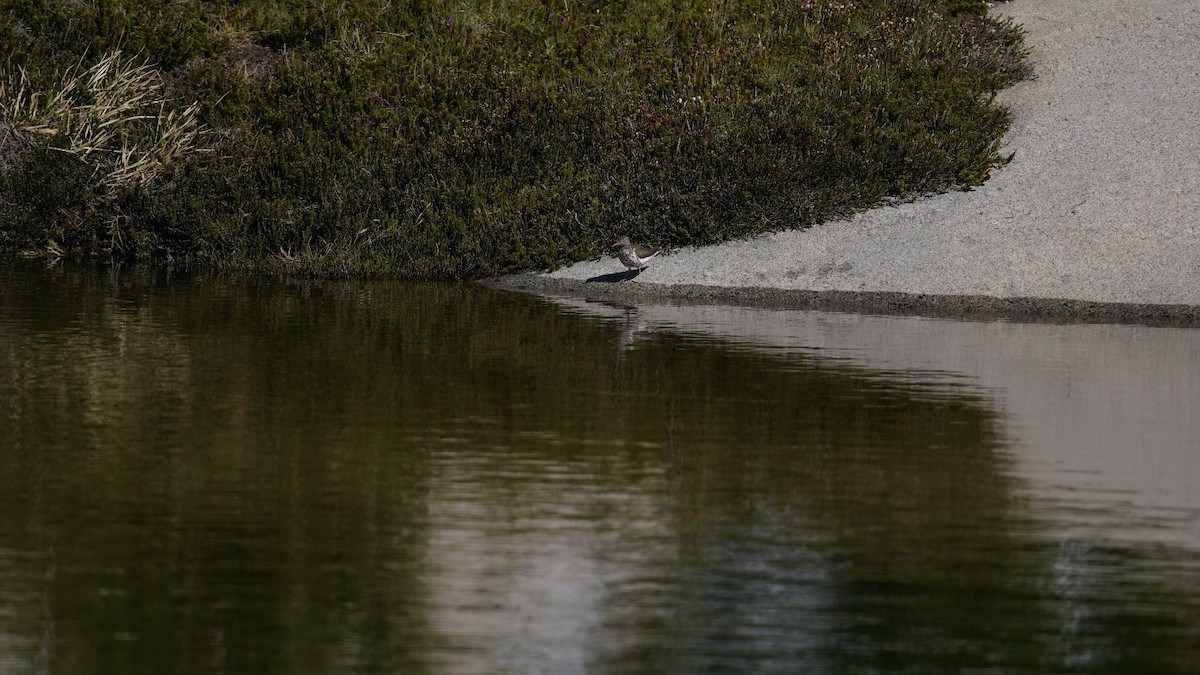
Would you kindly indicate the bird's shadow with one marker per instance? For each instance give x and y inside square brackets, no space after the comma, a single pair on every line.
[627,275]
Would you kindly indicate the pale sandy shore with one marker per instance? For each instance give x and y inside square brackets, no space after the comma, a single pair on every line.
[1098,215]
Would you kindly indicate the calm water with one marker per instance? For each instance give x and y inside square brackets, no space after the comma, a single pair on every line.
[213,475]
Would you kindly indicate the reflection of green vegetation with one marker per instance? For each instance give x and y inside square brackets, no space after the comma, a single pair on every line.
[242,471]
[436,139]
[185,500]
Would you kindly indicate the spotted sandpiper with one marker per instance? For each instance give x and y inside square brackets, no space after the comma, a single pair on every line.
[633,256]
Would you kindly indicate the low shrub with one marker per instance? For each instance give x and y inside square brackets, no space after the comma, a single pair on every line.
[430,139]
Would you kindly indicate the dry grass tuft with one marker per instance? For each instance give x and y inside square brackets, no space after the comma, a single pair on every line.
[111,115]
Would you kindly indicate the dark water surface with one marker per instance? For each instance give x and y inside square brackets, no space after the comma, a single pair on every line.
[253,476]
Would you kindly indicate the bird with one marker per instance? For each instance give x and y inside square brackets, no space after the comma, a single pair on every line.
[633,256]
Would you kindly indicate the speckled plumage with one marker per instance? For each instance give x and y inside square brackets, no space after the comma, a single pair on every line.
[633,256]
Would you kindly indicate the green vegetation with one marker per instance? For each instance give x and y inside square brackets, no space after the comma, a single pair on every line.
[431,139]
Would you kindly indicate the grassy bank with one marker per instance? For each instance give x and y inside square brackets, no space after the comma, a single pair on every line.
[433,139]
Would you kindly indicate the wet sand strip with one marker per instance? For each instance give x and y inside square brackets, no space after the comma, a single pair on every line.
[966,307]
